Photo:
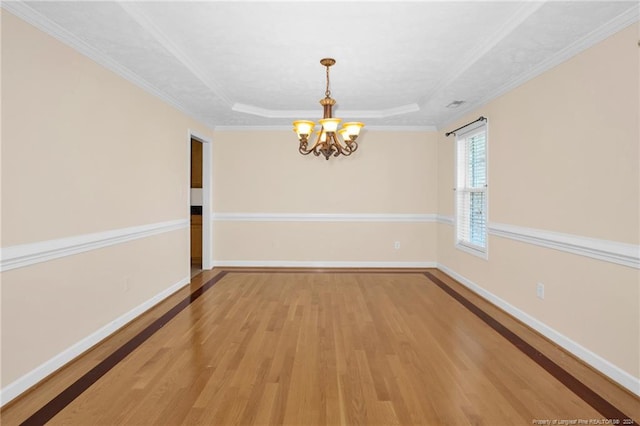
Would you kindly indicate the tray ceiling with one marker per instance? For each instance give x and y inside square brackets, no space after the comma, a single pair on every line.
[399,64]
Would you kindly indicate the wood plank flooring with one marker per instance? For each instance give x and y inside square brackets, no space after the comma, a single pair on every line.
[332,348]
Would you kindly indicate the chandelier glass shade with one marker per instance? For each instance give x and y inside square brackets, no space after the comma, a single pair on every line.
[329,140]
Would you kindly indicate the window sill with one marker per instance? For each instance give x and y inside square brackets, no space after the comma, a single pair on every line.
[481,253]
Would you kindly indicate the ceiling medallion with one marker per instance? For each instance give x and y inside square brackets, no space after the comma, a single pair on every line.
[328,141]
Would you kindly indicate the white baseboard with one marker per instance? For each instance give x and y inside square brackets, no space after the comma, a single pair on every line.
[605,367]
[30,379]
[321,264]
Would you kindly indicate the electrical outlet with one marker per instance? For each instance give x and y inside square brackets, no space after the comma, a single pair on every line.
[540,291]
[396,245]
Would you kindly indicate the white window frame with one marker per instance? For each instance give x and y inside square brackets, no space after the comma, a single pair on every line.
[461,138]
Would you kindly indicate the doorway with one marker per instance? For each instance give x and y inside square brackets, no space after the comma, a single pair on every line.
[196,207]
[199,203]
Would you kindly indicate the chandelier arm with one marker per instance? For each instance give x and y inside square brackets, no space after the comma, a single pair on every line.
[314,148]
[340,145]
[303,152]
[343,149]
[351,148]
[302,149]
[317,143]
[351,144]
[347,152]
[339,149]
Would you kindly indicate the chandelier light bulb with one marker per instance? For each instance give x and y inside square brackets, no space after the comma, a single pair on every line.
[330,124]
[353,128]
[303,127]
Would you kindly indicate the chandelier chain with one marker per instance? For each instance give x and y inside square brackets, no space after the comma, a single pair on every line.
[327,92]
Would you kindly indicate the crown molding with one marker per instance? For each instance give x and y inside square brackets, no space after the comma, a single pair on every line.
[277,113]
[272,113]
[288,128]
[35,18]
[145,22]
[597,35]
[522,14]
[426,128]
[382,113]
[616,24]
[21,9]
[248,128]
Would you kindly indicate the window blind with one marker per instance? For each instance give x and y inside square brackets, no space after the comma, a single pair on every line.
[471,189]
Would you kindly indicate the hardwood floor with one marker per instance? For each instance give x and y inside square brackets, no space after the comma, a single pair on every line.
[303,348]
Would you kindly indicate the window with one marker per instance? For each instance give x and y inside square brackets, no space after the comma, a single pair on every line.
[471,190]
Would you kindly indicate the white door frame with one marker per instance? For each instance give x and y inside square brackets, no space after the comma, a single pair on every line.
[207,232]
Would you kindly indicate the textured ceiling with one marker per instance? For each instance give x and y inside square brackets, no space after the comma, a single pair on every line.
[398,63]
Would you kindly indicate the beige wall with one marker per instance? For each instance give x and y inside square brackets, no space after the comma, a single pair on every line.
[261,172]
[292,243]
[564,157]
[83,151]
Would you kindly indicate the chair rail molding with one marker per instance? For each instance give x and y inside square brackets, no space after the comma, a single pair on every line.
[324,217]
[22,255]
[606,250]
[609,251]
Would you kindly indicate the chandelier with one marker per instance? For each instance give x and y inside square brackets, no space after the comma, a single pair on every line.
[328,140]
